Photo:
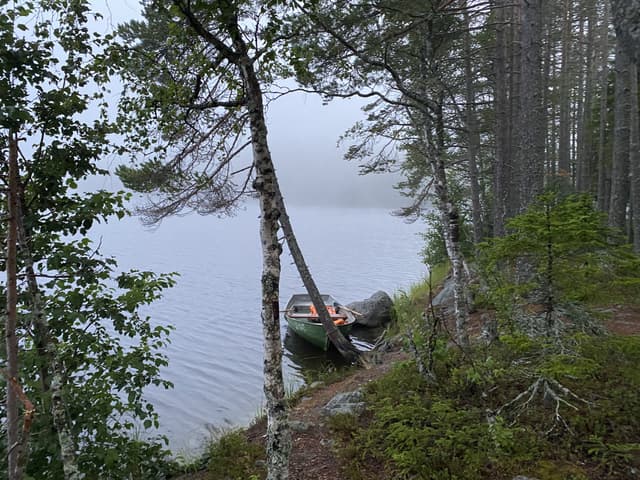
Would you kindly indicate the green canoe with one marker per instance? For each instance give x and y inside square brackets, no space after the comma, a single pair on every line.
[303,321]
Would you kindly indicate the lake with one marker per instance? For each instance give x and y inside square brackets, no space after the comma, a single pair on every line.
[216,351]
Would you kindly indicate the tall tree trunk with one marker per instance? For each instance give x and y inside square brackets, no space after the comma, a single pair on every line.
[564,152]
[626,18]
[278,432]
[635,158]
[549,111]
[620,170]
[14,444]
[585,168]
[473,138]
[531,129]
[450,221]
[346,348]
[278,442]
[515,92]
[500,173]
[603,167]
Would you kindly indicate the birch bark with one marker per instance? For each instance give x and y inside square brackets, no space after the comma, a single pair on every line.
[266,184]
[46,349]
[278,433]
[14,445]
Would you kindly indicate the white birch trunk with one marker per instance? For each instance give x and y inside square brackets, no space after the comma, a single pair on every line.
[46,349]
[14,445]
[450,221]
[278,431]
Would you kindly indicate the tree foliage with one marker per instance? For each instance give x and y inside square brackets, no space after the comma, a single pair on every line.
[573,255]
[86,346]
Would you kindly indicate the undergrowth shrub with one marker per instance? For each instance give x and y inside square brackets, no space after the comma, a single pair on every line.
[467,426]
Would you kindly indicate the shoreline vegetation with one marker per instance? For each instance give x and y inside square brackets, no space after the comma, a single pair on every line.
[562,407]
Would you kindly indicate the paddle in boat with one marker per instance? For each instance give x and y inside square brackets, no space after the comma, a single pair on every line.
[302,318]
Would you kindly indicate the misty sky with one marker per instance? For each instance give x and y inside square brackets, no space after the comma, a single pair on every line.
[302,137]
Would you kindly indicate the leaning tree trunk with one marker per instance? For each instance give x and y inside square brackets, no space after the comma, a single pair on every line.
[620,170]
[346,348]
[278,432]
[14,445]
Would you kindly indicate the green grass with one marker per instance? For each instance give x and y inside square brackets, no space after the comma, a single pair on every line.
[233,457]
[409,306]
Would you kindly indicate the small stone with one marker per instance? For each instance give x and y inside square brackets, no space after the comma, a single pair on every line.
[327,443]
[316,384]
[522,477]
[297,426]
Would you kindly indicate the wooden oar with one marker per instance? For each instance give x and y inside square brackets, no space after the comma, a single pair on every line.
[352,311]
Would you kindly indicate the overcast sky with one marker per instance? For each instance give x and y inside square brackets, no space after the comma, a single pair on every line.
[302,136]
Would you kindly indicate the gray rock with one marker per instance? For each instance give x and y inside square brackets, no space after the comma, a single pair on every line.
[522,477]
[316,384]
[348,403]
[375,310]
[297,426]
[444,299]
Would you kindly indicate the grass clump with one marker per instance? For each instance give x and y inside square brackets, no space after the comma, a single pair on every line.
[233,457]
[409,306]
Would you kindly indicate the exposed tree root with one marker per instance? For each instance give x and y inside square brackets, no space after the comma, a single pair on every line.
[550,391]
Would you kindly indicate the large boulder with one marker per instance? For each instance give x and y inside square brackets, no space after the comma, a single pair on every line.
[374,311]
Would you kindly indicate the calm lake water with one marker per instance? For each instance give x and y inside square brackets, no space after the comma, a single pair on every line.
[216,350]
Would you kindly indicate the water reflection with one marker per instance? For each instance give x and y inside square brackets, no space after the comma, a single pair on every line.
[304,360]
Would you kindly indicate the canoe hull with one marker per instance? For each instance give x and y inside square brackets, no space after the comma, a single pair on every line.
[314,333]
[297,315]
